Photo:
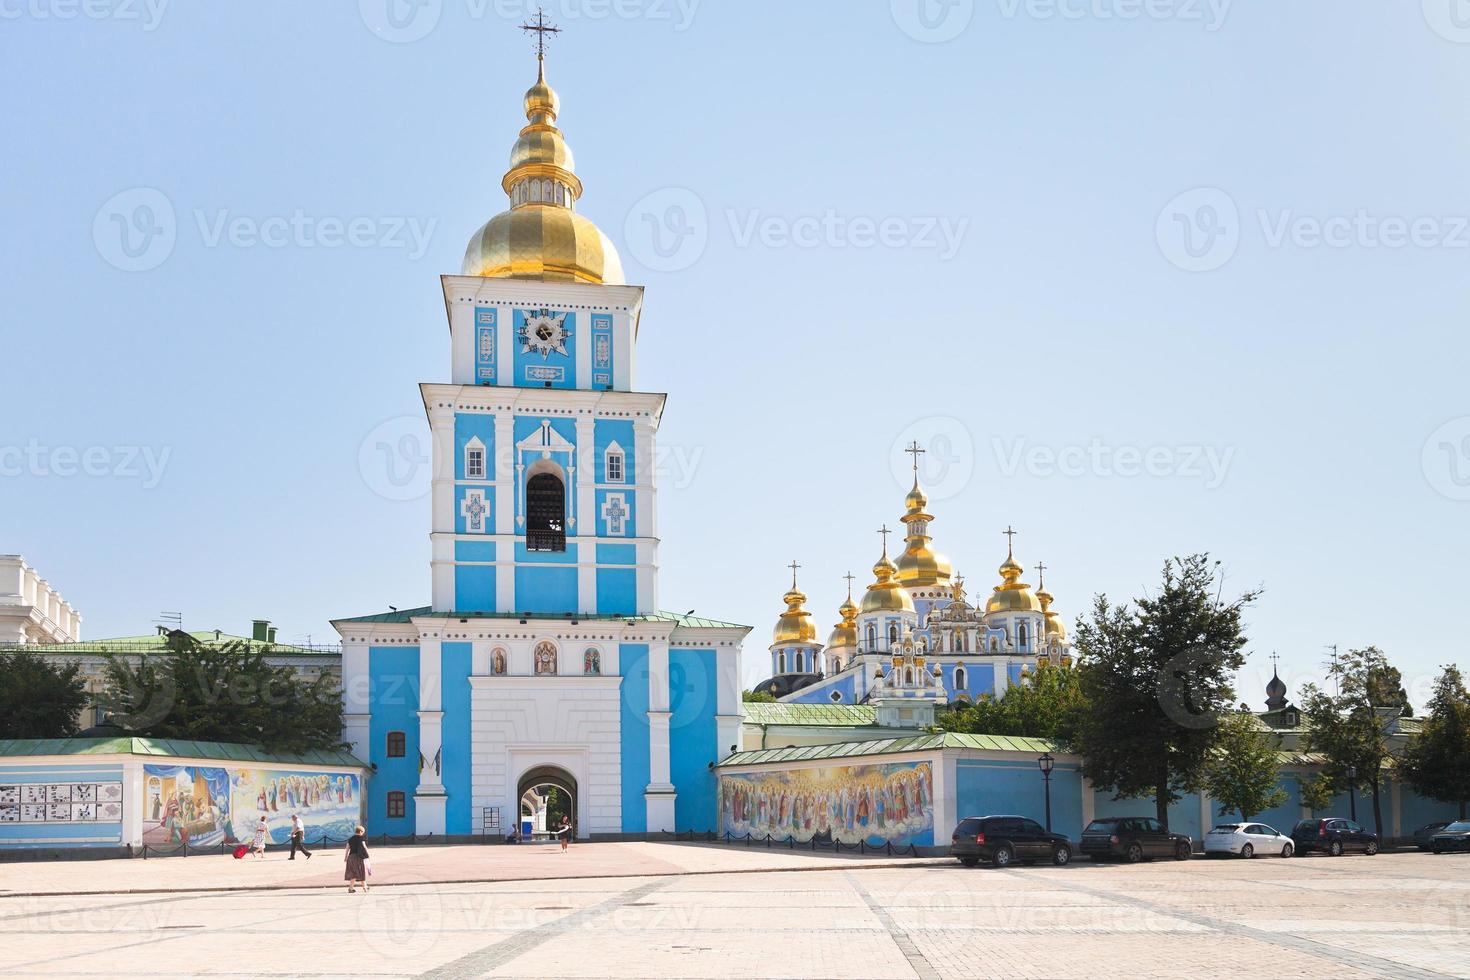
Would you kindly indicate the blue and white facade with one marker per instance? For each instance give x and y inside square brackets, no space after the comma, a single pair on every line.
[542,655]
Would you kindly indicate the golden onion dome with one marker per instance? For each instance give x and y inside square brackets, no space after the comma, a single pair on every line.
[886,594]
[920,565]
[1012,595]
[542,236]
[1054,625]
[845,633]
[795,624]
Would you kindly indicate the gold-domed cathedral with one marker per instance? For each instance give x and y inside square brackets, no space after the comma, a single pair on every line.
[916,635]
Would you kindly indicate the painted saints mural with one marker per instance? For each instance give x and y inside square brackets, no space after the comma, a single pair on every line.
[891,803]
[211,805]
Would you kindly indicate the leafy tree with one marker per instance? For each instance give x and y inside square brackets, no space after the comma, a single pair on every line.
[1243,774]
[39,699]
[759,697]
[1048,705]
[1437,763]
[1386,689]
[1157,678]
[222,693]
[1318,792]
[1348,728]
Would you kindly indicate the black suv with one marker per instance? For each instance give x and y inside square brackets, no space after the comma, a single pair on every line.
[1333,835]
[1001,840]
[1133,839]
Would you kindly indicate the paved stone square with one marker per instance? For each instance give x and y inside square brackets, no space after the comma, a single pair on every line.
[697,911]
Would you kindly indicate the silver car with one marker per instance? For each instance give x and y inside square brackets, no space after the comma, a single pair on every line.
[1247,840]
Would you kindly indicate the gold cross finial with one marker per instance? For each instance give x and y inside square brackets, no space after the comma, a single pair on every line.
[915,451]
[542,29]
[793,566]
[849,576]
[1040,575]
[1010,534]
[885,532]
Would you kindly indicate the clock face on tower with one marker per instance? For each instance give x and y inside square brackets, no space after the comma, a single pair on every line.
[545,333]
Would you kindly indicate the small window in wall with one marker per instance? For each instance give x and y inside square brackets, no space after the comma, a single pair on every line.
[1021,634]
[801,663]
[872,636]
[474,461]
[397,804]
[614,464]
[892,633]
[396,745]
[781,663]
[908,675]
[959,679]
[835,696]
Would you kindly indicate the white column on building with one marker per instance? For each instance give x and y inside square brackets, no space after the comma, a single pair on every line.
[1002,677]
[659,795]
[135,798]
[441,435]
[645,507]
[429,797]
[505,507]
[727,685]
[586,490]
[356,698]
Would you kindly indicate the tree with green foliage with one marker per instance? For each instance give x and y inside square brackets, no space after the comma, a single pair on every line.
[1349,728]
[1048,704]
[759,697]
[224,692]
[1436,764]
[39,698]
[1243,775]
[1318,792]
[1157,677]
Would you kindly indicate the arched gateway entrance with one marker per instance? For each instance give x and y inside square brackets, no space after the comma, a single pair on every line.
[546,793]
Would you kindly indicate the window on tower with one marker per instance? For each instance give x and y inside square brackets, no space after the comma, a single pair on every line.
[397,804]
[800,663]
[614,466]
[474,463]
[546,508]
[396,747]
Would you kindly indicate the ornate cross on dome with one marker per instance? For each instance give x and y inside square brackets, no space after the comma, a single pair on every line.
[793,566]
[1010,534]
[885,532]
[849,576]
[1274,658]
[542,29]
[1040,575]
[915,451]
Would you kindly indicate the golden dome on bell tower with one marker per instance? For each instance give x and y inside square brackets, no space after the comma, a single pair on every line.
[795,624]
[1012,595]
[845,633]
[920,565]
[541,236]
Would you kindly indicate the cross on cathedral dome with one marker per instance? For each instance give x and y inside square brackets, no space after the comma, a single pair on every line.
[541,236]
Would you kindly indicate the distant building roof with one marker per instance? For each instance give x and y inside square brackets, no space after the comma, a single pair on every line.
[158,643]
[173,748]
[817,715]
[428,612]
[892,746]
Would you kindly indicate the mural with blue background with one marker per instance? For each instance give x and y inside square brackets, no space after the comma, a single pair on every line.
[889,803]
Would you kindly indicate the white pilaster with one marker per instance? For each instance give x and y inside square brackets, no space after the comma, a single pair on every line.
[134,800]
[659,796]
[431,714]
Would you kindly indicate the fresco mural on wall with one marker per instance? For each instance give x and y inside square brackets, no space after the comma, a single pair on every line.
[890,803]
[210,805]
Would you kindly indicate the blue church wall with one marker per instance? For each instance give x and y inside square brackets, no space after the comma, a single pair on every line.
[474,425]
[1015,673]
[845,684]
[474,551]
[1282,817]
[629,510]
[617,554]
[528,425]
[1183,814]
[546,589]
[456,664]
[532,370]
[525,557]
[461,520]
[1415,811]
[393,679]
[633,658]
[986,787]
[617,591]
[605,432]
[474,588]
[32,813]
[693,696]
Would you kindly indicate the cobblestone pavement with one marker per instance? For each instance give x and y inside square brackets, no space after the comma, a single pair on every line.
[1398,915]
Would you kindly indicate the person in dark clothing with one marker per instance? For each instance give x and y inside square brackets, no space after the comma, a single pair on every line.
[356,857]
[298,837]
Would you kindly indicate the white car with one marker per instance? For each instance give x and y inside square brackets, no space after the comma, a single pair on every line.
[1247,840]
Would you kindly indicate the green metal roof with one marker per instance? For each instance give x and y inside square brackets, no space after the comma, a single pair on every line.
[172,748]
[158,643]
[891,746]
[824,715]
[427,612]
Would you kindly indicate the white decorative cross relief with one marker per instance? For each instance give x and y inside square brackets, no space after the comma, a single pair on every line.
[474,509]
[615,512]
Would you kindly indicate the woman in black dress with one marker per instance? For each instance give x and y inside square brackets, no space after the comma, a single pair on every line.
[356,857]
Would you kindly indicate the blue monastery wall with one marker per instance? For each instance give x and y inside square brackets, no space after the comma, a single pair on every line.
[393,674]
[634,725]
[694,741]
[984,786]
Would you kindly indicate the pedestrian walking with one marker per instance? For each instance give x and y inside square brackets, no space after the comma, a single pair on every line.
[262,831]
[298,837]
[564,831]
[356,857]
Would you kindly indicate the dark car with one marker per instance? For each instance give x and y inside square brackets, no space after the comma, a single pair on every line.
[1332,835]
[1424,834]
[1454,837]
[1133,839]
[1003,839]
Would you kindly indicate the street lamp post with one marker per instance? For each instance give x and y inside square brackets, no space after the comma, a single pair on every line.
[1353,792]
[1045,763]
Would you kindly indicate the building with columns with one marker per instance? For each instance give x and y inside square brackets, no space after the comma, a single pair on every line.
[543,658]
[31,610]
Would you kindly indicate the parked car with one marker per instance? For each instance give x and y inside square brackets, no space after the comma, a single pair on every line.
[1003,839]
[1247,840]
[1423,835]
[1332,835]
[1133,839]
[1454,837]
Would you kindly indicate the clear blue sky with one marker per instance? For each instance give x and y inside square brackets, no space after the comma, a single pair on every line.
[1067,325]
